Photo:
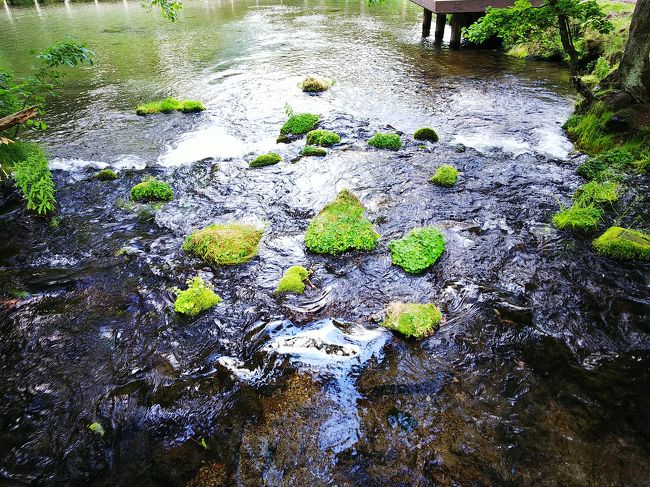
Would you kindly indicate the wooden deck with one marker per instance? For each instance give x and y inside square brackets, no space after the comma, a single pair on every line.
[461,6]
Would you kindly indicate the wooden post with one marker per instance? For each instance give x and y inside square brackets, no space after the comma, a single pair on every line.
[456,25]
[441,21]
[426,23]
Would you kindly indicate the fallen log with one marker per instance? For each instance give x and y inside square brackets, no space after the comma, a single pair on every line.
[17,118]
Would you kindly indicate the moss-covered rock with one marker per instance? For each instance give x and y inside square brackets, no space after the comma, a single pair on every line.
[314,84]
[419,249]
[341,226]
[198,297]
[169,105]
[385,141]
[310,150]
[293,281]
[578,218]
[426,133]
[230,244]
[445,175]
[300,123]
[595,193]
[106,175]
[591,168]
[413,320]
[152,190]
[323,138]
[623,244]
[265,160]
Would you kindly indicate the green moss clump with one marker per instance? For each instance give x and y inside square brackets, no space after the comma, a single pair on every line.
[588,130]
[341,226]
[169,105]
[313,84]
[591,168]
[230,244]
[198,297]
[445,175]
[293,280]
[106,175]
[385,141]
[578,218]
[152,190]
[413,320]
[265,160]
[300,123]
[426,133]
[596,192]
[419,249]
[643,165]
[322,138]
[310,150]
[623,244]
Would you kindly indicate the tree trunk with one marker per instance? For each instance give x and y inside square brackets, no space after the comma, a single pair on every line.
[634,68]
[17,118]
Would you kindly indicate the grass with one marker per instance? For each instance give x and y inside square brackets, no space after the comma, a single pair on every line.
[314,84]
[418,250]
[591,168]
[293,280]
[300,123]
[230,244]
[578,218]
[597,193]
[445,175]
[323,138]
[169,105]
[588,130]
[385,141]
[341,226]
[152,190]
[198,297]
[426,133]
[106,175]
[265,160]
[623,244]
[310,150]
[413,320]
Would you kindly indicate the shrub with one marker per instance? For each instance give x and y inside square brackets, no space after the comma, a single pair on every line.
[419,249]
[198,297]
[426,133]
[578,218]
[340,226]
[293,280]
[385,141]
[152,190]
[300,123]
[265,160]
[230,244]
[28,163]
[106,175]
[313,84]
[310,150]
[623,244]
[413,320]
[322,138]
[169,105]
[601,69]
[445,175]
[596,192]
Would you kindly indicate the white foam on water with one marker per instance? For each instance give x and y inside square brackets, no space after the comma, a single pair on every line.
[212,141]
[483,142]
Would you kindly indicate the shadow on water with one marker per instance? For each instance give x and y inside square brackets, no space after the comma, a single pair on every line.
[537,377]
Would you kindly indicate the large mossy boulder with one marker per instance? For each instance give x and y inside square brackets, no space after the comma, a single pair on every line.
[413,320]
[323,138]
[230,244]
[293,281]
[578,218]
[597,193]
[623,244]
[341,226]
[265,160]
[106,175]
[418,250]
[426,133]
[445,175]
[385,141]
[152,190]
[300,123]
[310,150]
[198,297]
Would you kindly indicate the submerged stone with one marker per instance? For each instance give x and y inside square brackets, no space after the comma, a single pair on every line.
[413,320]
[322,138]
[198,297]
[445,175]
[300,123]
[265,160]
[310,150]
[106,175]
[152,190]
[169,105]
[230,244]
[578,218]
[419,249]
[385,141]
[341,226]
[293,281]
[623,244]
[427,134]
[314,84]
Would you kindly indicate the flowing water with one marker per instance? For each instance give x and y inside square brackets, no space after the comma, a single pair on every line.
[538,376]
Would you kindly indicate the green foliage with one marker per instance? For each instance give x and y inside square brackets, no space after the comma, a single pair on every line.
[299,123]
[623,244]
[265,160]
[385,141]
[229,244]
[106,175]
[198,297]
[588,130]
[643,165]
[31,174]
[601,68]
[293,280]
[97,429]
[578,218]
[591,168]
[597,193]
[168,8]
[310,150]
[619,158]
[418,250]
[152,190]
[413,320]
[169,105]
[445,175]
[426,133]
[313,84]
[323,138]
[341,226]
